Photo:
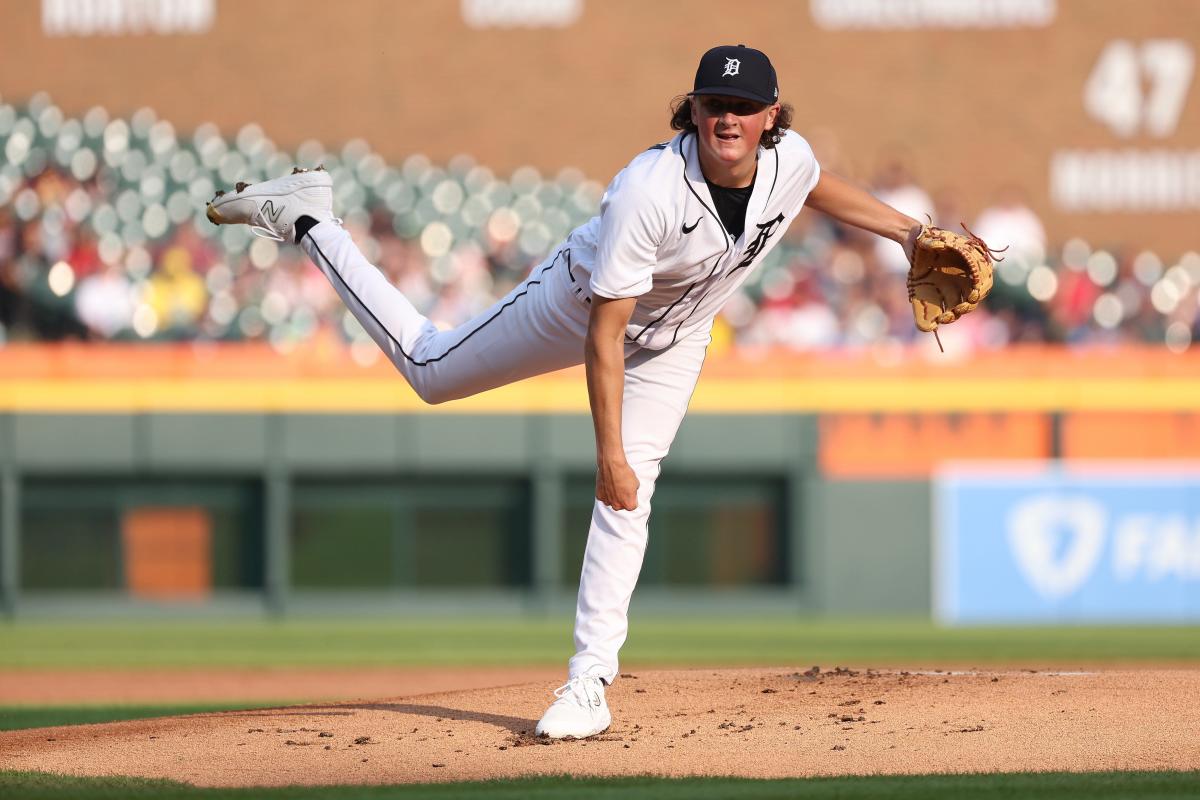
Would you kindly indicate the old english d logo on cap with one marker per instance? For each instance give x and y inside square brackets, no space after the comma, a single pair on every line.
[737,71]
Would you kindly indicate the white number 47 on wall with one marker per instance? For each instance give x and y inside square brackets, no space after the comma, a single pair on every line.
[1140,87]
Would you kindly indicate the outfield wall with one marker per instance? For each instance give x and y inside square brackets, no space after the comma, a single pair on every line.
[306,510]
[796,483]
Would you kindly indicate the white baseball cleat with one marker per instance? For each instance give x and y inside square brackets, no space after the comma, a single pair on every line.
[579,712]
[271,208]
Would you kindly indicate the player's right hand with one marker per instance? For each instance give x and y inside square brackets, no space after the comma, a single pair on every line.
[617,485]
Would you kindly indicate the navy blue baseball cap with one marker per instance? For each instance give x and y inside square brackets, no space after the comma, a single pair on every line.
[737,71]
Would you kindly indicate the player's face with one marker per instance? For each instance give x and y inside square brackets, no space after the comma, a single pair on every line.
[729,128]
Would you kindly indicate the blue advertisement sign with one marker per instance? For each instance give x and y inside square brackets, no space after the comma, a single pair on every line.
[1112,543]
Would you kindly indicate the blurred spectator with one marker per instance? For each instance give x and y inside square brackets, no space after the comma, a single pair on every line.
[895,185]
[104,302]
[1012,224]
[175,293]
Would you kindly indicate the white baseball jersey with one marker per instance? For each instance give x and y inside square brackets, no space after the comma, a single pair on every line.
[658,237]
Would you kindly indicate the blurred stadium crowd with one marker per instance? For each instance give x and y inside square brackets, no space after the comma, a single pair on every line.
[103,236]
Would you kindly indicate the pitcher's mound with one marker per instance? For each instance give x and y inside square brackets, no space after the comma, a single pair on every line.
[764,723]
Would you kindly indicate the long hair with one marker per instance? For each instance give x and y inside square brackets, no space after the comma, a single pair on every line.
[681,120]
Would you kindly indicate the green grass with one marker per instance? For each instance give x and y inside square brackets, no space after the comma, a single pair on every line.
[765,640]
[1026,786]
[19,717]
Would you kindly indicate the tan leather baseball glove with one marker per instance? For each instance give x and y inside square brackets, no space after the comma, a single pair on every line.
[949,276]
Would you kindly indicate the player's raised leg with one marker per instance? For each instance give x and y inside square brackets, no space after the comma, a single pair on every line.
[538,327]
[658,386]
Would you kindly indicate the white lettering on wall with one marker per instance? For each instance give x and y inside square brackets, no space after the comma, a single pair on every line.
[521,13]
[1114,92]
[911,14]
[1156,547]
[126,17]
[1125,180]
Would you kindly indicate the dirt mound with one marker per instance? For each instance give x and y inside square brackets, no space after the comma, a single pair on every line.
[752,723]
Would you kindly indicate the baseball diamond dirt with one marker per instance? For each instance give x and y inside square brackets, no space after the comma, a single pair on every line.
[762,723]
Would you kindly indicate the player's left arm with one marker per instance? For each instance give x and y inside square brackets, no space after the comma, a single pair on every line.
[847,203]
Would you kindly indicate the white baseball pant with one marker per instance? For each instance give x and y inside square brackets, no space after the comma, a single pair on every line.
[536,328]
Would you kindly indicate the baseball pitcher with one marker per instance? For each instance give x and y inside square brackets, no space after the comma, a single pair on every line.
[632,295]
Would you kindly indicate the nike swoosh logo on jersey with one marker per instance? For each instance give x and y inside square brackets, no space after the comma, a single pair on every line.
[688,229]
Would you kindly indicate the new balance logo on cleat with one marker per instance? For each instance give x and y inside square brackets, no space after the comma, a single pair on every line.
[271,212]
